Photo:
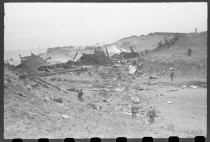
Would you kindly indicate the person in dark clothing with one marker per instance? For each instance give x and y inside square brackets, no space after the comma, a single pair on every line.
[146,52]
[172,74]
[134,111]
[189,52]
[80,94]
[151,114]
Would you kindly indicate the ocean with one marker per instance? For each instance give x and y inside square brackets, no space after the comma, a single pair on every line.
[13,58]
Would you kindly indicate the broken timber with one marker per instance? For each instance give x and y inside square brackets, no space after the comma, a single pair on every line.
[64,71]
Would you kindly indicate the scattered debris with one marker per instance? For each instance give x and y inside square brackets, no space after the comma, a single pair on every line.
[53,79]
[183,86]
[194,86]
[35,85]
[20,94]
[132,69]
[138,87]
[22,76]
[33,64]
[172,90]
[169,102]
[58,100]
[107,100]
[65,116]
[153,77]
[93,106]
[28,87]
[119,89]
[72,89]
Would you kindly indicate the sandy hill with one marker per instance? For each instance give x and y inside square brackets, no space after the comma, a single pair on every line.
[140,43]
[174,54]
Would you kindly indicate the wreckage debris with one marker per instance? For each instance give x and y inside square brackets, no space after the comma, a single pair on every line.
[107,100]
[59,80]
[64,116]
[22,77]
[20,94]
[93,106]
[58,100]
[33,64]
[72,89]
[35,85]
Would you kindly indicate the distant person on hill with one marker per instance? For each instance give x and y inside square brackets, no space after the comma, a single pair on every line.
[172,74]
[189,52]
[146,51]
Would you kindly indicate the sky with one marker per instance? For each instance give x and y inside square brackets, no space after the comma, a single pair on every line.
[46,25]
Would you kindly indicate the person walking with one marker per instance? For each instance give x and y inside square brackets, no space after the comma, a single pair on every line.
[172,74]
[134,111]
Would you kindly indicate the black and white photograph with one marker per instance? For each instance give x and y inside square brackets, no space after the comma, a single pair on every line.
[107,70]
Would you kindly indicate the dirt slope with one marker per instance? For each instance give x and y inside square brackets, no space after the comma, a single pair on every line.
[106,109]
[44,107]
[176,55]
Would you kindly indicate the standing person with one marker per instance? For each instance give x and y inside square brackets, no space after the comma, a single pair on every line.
[172,74]
[146,51]
[134,111]
[189,52]
[80,94]
[151,114]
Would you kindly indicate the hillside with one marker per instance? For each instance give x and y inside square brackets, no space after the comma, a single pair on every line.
[49,107]
[174,54]
[140,43]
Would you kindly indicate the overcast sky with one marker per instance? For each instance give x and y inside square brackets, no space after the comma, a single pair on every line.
[28,25]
